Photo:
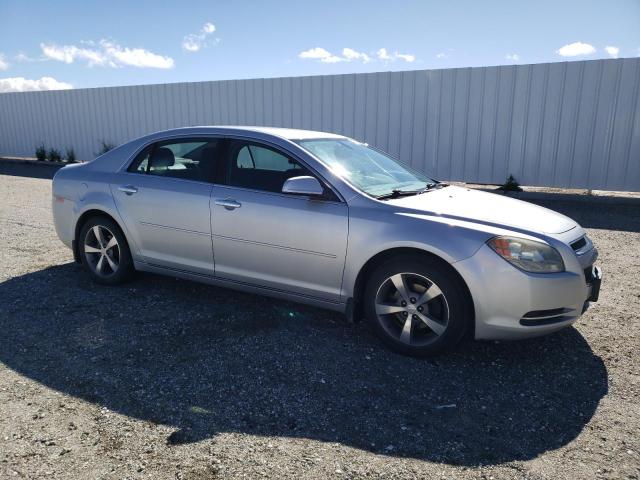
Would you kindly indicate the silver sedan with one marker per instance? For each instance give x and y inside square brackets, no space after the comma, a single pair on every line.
[325,220]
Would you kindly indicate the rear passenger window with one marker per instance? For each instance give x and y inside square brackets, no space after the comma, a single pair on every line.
[185,159]
[141,163]
[261,168]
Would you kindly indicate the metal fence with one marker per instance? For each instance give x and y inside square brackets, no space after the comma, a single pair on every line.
[574,124]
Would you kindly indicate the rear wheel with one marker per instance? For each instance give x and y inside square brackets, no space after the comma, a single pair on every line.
[104,251]
[417,306]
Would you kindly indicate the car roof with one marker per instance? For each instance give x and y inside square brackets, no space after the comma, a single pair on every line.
[285,133]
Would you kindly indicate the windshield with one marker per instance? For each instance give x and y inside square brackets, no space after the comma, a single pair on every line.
[369,170]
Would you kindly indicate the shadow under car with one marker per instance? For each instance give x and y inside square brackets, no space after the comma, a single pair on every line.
[206,360]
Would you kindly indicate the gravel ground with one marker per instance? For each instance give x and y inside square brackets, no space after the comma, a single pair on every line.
[164,378]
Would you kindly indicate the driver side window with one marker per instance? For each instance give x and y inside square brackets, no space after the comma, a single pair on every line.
[259,167]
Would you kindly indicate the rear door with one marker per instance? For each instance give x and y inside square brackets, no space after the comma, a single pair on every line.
[163,199]
[280,241]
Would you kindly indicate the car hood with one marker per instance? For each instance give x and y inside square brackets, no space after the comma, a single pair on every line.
[487,208]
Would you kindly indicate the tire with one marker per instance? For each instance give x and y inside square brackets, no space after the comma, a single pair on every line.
[428,314]
[108,261]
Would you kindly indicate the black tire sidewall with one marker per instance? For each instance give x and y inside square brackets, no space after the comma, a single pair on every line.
[126,263]
[455,293]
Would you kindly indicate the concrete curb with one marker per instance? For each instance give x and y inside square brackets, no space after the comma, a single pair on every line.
[568,197]
[37,163]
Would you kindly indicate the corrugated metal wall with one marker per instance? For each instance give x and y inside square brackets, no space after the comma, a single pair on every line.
[573,124]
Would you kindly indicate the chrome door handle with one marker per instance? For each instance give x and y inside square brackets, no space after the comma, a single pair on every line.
[228,203]
[128,189]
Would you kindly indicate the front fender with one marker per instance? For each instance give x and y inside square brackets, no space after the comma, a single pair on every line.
[372,232]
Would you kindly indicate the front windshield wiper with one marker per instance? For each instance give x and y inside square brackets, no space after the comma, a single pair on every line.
[431,186]
[397,192]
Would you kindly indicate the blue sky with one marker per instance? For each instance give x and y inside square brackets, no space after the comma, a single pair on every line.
[91,44]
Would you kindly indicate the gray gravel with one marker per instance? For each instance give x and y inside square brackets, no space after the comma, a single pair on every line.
[164,378]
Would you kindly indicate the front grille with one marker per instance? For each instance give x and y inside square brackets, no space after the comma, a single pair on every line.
[578,244]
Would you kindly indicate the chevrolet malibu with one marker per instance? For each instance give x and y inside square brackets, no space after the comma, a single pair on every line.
[325,220]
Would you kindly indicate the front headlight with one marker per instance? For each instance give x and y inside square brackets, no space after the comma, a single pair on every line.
[528,255]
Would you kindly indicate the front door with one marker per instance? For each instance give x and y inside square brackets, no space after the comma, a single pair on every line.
[280,241]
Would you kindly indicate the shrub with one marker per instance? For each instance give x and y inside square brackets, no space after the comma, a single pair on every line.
[70,155]
[41,152]
[105,147]
[511,185]
[54,155]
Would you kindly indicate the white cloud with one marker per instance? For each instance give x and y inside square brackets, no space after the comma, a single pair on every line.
[135,57]
[407,57]
[195,41]
[70,53]
[317,53]
[325,56]
[442,55]
[3,63]
[576,49]
[350,54]
[514,57]
[385,56]
[612,51]
[107,53]
[21,84]
[332,59]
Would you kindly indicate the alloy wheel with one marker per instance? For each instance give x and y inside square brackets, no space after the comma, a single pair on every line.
[102,251]
[412,309]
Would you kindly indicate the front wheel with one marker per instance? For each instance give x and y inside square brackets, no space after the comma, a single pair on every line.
[104,251]
[417,306]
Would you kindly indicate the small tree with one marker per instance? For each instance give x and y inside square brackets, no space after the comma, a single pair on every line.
[54,155]
[511,185]
[41,152]
[105,147]
[70,155]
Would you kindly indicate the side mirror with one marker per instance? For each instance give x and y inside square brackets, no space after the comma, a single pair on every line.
[303,186]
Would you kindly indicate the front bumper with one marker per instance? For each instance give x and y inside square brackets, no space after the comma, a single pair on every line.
[512,304]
